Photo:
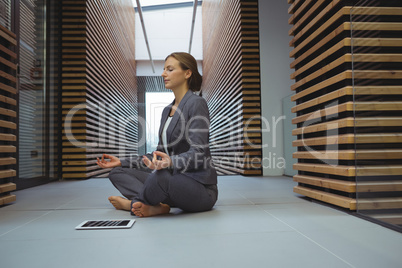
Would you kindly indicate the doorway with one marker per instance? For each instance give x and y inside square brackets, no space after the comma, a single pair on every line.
[38,114]
[155,103]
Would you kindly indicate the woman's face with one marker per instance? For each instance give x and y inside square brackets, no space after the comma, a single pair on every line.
[174,76]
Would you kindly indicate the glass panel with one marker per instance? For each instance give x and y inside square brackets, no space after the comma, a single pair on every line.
[5,13]
[377,80]
[32,105]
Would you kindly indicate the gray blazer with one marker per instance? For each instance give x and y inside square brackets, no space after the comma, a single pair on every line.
[188,140]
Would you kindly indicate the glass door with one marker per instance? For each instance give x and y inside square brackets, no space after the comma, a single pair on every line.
[376,28]
[32,134]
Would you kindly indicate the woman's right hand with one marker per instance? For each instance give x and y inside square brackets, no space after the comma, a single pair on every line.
[114,161]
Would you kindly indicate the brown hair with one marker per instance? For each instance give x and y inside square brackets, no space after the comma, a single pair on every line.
[188,62]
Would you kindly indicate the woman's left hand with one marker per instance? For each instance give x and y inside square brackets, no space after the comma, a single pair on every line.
[156,164]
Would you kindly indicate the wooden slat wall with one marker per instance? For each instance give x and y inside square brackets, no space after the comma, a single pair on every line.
[74,87]
[348,94]
[8,114]
[99,82]
[151,84]
[231,84]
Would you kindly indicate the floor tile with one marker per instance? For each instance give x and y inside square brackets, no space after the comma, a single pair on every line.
[257,222]
[234,250]
[12,220]
[362,247]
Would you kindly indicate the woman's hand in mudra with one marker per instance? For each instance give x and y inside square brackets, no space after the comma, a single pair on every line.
[114,161]
[156,164]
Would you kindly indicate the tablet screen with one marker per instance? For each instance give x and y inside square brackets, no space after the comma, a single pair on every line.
[105,224]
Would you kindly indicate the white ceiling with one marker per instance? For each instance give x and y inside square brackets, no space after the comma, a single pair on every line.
[145,3]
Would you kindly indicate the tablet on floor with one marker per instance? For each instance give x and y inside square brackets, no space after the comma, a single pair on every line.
[105,224]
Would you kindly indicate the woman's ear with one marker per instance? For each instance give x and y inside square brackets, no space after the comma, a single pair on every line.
[188,73]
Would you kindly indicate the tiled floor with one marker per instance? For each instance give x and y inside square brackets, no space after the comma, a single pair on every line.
[257,222]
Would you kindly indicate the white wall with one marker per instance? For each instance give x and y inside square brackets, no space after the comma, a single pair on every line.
[275,81]
[168,31]
[144,67]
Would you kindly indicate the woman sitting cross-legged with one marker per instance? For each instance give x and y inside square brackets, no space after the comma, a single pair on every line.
[180,172]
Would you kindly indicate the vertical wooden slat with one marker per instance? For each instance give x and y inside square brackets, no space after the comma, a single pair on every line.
[231,84]
[8,114]
[99,84]
[55,89]
[348,94]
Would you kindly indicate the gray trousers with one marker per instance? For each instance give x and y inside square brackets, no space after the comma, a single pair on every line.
[162,187]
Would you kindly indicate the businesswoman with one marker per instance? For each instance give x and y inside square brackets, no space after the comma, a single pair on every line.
[179,173]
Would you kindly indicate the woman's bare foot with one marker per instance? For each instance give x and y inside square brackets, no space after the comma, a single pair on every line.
[120,203]
[141,210]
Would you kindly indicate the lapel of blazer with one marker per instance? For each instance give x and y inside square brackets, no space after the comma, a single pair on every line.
[177,115]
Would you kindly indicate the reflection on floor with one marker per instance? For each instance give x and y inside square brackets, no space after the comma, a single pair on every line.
[257,222]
